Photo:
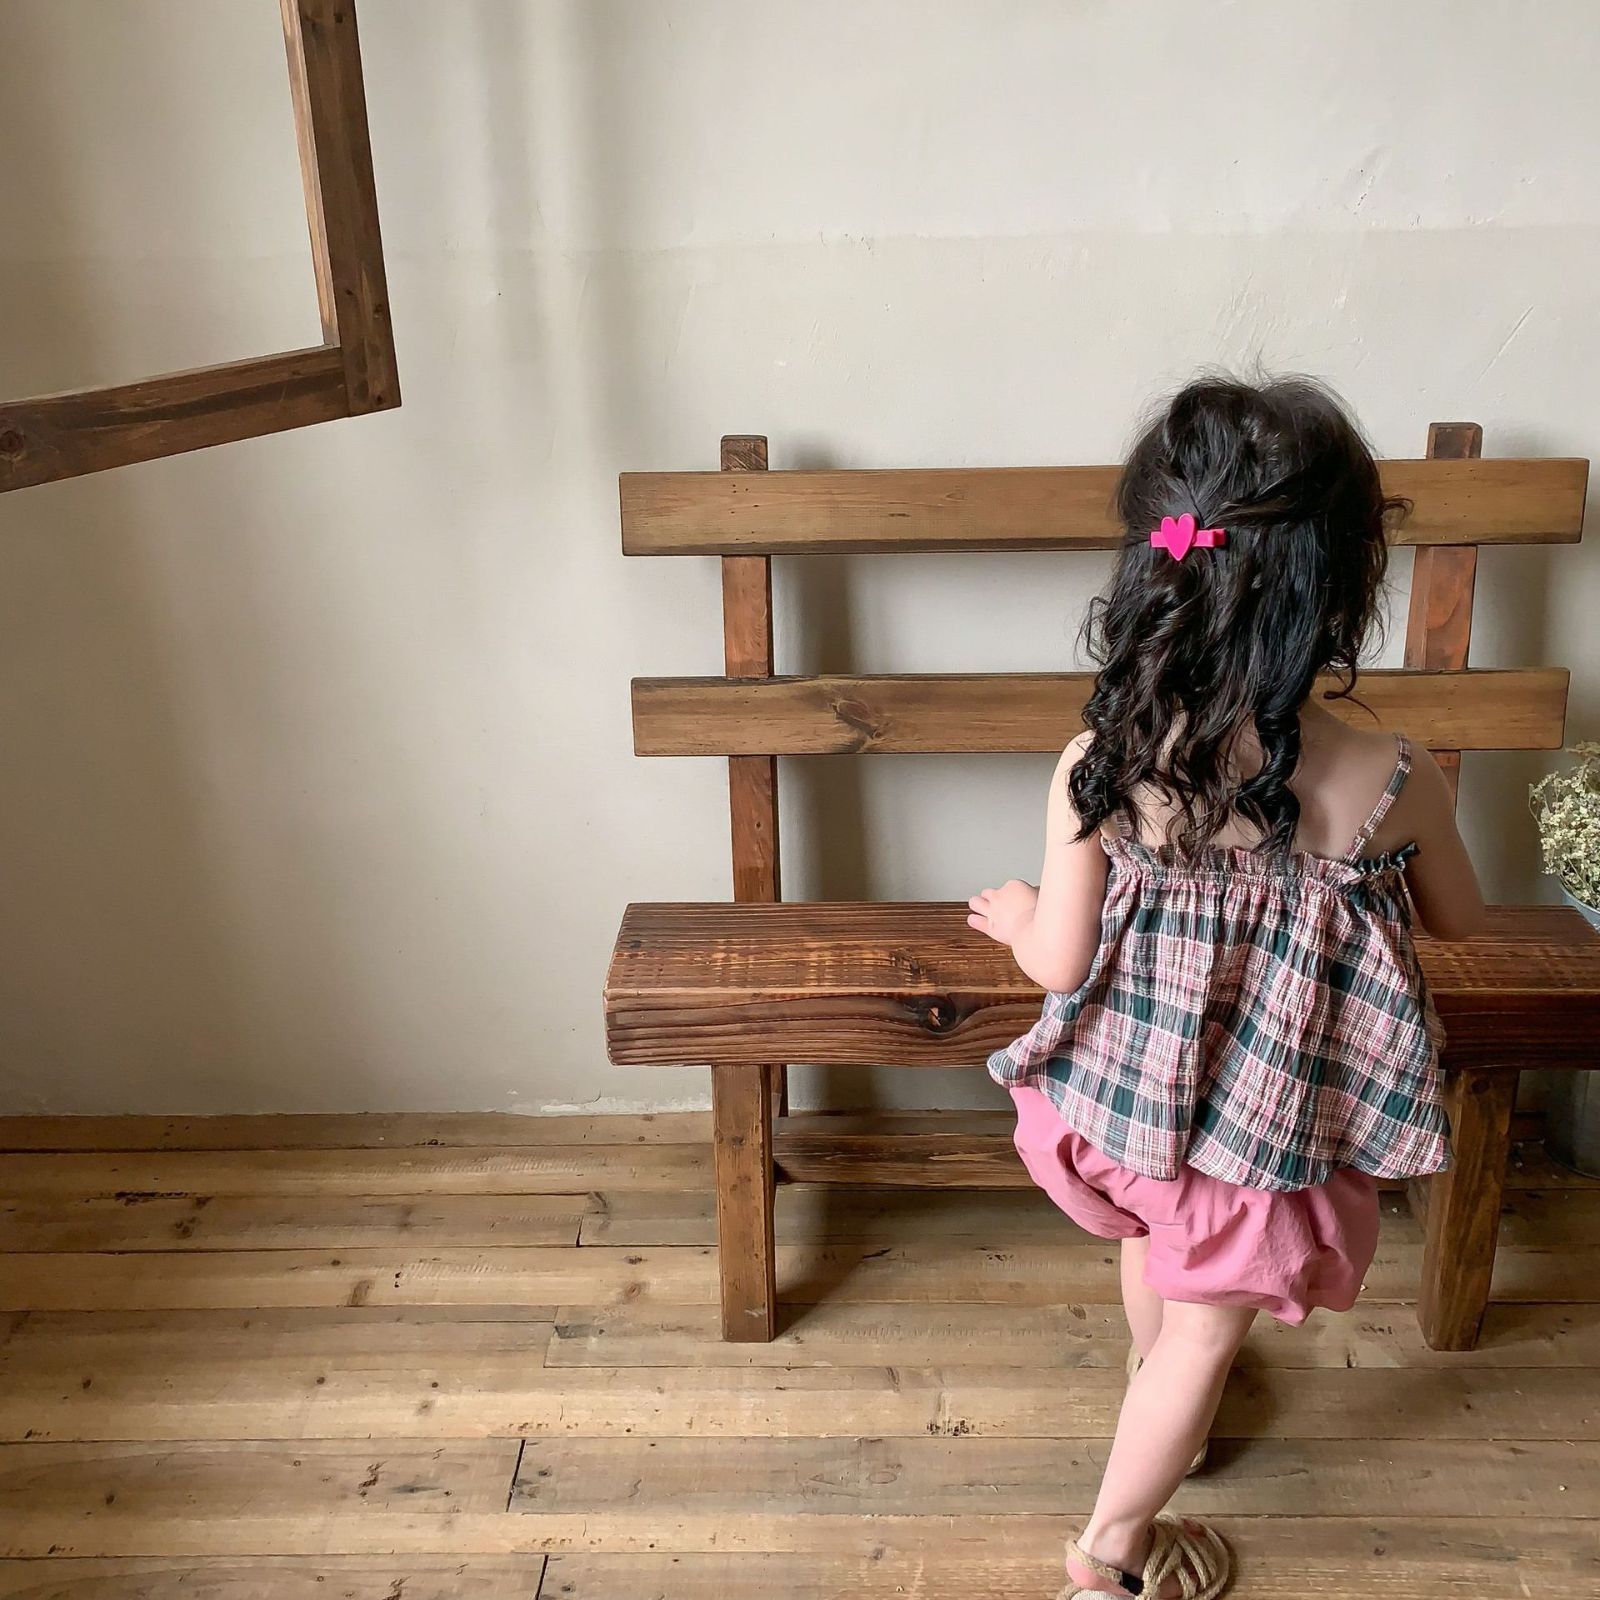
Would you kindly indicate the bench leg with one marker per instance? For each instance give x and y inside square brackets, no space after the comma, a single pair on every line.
[741,1115]
[1463,1208]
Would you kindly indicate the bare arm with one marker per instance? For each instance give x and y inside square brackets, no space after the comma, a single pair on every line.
[1443,884]
[1053,930]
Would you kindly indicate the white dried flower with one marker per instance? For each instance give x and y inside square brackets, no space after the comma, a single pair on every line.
[1567,806]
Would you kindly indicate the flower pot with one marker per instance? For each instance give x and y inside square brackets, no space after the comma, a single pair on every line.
[1573,1117]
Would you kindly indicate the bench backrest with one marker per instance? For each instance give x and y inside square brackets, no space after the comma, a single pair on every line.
[746,515]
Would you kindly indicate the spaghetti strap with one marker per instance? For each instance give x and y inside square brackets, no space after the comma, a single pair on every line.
[1397,781]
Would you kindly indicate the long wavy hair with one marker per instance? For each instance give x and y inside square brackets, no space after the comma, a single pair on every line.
[1193,652]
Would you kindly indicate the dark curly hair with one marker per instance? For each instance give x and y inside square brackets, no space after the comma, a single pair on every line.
[1191,652]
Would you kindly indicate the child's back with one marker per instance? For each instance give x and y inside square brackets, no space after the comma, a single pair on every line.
[1238,1038]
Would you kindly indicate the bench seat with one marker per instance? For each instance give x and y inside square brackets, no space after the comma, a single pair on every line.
[911,985]
[740,987]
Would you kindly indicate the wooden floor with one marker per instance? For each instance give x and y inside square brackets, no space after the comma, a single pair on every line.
[397,1358]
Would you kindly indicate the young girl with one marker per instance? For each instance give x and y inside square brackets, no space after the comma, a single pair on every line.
[1237,1041]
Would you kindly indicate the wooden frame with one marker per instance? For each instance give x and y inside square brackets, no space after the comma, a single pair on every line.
[351,372]
[737,987]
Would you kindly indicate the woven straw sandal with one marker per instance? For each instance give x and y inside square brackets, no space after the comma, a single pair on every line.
[1135,1361]
[1191,1552]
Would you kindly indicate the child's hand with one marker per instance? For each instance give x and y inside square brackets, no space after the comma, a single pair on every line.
[1004,912]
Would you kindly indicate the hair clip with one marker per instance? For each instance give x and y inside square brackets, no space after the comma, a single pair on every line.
[1178,535]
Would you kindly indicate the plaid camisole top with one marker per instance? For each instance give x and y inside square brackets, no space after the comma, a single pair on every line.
[1262,1019]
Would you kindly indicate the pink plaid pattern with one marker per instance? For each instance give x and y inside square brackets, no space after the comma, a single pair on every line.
[1261,1019]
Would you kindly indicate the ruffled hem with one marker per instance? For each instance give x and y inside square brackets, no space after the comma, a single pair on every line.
[1429,1153]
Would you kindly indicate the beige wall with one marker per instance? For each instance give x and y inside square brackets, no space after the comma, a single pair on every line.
[316,790]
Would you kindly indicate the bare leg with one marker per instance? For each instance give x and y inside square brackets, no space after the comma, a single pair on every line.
[1141,1304]
[1169,1409]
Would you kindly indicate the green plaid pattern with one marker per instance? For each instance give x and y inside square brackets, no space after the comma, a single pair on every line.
[1260,1019]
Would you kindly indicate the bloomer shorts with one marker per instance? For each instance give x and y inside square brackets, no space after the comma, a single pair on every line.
[1211,1242]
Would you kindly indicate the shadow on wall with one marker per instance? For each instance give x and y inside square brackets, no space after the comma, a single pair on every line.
[1517,595]
[123,959]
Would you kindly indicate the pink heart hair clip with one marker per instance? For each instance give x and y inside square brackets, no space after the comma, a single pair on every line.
[1179,535]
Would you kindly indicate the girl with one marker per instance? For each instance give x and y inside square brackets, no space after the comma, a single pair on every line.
[1237,1040]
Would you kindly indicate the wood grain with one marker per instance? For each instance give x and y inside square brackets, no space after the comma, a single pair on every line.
[1020,1274]
[221,1279]
[945,1333]
[752,780]
[247,1222]
[828,1211]
[1462,1213]
[1042,508]
[994,713]
[445,1379]
[910,984]
[930,1418]
[1567,1542]
[747,653]
[1333,1558]
[106,1498]
[940,1476]
[741,1109]
[1439,620]
[965,1155]
[349,1131]
[67,435]
[137,1390]
[414,1577]
[308,1335]
[407,1172]
[353,371]
[330,105]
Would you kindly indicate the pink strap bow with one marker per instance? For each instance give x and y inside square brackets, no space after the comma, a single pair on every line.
[1178,535]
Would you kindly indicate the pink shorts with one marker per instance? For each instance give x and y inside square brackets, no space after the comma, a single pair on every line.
[1211,1242]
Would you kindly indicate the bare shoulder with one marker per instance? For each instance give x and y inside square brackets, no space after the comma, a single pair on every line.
[1345,769]
[1425,805]
[1347,757]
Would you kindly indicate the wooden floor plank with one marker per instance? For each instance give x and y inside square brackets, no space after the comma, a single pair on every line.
[1330,1558]
[301,1334]
[809,1212]
[54,1494]
[418,1577]
[353,1131]
[654,1166]
[1563,1548]
[235,1222]
[943,1476]
[935,1334]
[1550,1217]
[1026,1274]
[221,1279]
[259,1377]
[459,1390]
[178,1174]
[310,1330]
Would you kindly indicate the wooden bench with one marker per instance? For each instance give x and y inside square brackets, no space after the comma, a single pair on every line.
[748,986]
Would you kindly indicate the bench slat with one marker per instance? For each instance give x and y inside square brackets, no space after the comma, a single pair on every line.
[909,984]
[972,713]
[1498,501]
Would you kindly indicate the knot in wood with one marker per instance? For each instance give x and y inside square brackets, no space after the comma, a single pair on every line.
[937,1014]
